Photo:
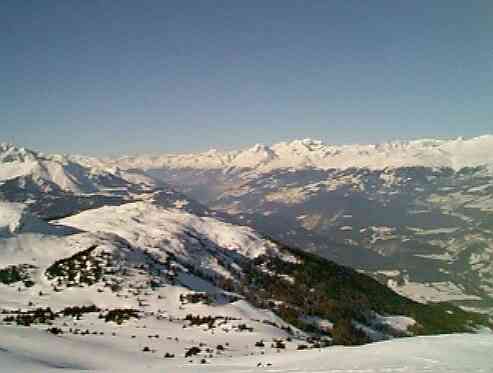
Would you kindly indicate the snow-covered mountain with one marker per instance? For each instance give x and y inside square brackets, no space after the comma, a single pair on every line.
[301,154]
[95,255]
[51,173]
[60,185]
[109,244]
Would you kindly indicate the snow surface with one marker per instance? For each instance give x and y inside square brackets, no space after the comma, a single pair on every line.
[30,350]
[146,225]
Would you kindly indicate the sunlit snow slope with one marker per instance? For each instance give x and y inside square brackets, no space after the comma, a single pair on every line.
[32,351]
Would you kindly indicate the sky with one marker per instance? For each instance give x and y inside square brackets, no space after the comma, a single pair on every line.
[125,77]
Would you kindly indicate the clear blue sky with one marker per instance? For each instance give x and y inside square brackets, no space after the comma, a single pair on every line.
[109,77]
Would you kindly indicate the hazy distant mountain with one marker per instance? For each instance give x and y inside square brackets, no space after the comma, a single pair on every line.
[300,154]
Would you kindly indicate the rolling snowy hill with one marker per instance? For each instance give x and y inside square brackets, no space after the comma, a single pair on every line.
[27,352]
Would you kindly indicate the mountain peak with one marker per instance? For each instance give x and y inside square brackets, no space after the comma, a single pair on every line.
[17,165]
[257,148]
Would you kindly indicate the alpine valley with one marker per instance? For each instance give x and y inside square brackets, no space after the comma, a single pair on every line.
[230,259]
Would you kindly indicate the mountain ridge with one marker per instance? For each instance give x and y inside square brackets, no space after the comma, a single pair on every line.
[297,154]
[307,153]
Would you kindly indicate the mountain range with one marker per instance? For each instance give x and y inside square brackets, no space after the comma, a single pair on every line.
[240,252]
[308,153]
[416,215]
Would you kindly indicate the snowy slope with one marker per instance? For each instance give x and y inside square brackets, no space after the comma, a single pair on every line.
[134,233]
[309,153]
[187,236]
[14,219]
[11,218]
[137,256]
[34,351]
